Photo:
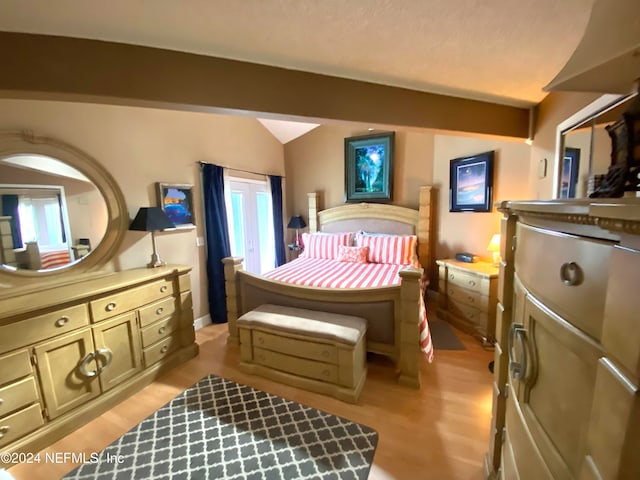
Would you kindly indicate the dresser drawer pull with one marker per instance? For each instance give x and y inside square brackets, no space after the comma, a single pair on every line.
[111,306]
[161,330]
[325,353]
[163,289]
[472,283]
[517,366]
[325,373]
[571,274]
[164,349]
[1,402]
[62,321]
[83,366]
[451,276]
[4,430]
[159,310]
[260,340]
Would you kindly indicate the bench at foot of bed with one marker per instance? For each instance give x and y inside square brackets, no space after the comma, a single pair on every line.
[318,351]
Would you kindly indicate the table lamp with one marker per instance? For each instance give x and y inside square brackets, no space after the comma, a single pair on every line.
[152,219]
[494,248]
[296,222]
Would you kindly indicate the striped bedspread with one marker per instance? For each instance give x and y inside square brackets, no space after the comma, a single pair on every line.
[54,259]
[317,272]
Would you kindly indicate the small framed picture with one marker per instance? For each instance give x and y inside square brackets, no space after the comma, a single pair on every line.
[368,168]
[471,183]
[176,200]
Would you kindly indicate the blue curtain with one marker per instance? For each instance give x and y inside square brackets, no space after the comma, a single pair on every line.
[218,245]
[276,202]
[10,209]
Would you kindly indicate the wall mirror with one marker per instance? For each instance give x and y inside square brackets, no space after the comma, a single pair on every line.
[583,146]
[60,210]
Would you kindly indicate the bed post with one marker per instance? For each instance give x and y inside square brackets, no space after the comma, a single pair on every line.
[312,199]
[231,266]
[424,227]
[409,342]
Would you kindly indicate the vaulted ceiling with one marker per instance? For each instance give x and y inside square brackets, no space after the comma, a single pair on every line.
[501,51]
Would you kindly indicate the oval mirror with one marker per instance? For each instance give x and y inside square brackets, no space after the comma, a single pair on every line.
[60,210]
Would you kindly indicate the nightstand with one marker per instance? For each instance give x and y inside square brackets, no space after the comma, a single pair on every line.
[468,297]
[295,250]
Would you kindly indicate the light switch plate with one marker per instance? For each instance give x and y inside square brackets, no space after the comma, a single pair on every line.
[542,168]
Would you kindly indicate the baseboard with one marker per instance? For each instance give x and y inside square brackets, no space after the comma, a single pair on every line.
[201,322]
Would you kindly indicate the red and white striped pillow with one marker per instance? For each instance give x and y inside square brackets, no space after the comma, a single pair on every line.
[324,245]
[390,249]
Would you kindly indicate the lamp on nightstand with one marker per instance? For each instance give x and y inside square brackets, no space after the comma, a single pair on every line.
[152,219]
[494,248]
[296,222]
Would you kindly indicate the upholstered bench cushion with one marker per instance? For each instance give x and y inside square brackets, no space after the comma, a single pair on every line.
[332,326]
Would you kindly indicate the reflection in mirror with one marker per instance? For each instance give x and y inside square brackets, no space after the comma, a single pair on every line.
[586,147]
[50,213]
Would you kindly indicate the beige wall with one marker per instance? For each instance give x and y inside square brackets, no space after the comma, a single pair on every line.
[471,232]
[141,146]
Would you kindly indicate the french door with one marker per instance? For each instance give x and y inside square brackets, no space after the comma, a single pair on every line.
[251,224]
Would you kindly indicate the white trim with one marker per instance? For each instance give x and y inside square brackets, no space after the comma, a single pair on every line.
[202,322]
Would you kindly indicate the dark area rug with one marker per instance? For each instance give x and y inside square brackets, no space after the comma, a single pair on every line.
[219,429]
[443,336]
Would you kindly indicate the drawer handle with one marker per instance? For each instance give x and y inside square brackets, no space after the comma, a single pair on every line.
[260,340]
[518,367]
[451,276]
[62,321]
[571,274]
[163,289]
[1,401]
[325,353]
[83,366]
[107,355]
[164,349]
[325,373]
[471,299]
[111,306]
[472,283]
[4,430]
[159,310]
[161,330]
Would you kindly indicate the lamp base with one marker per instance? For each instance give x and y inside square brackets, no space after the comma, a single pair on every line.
[155,258]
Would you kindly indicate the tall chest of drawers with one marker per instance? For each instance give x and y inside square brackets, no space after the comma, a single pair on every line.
[72,351]
[567,357]
[468,297]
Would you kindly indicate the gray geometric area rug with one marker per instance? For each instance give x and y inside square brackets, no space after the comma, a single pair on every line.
[219,429]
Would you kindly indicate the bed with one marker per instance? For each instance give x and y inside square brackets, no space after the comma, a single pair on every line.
[394,308]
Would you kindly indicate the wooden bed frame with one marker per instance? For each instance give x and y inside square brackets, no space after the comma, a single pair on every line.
[392,311]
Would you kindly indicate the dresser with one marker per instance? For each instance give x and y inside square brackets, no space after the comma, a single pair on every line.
[468,297]
[72,351]
[566,402]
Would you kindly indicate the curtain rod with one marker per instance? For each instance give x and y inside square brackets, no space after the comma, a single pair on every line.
[240,170]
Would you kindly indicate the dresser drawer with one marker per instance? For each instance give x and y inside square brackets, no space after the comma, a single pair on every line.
[159,330]
[298,348]
[468,297]
[42,327]
[296,365]
[15,365]
[19,424]
[157,310]
[467,280]
[567,273]
[158,351]
[184,282]
[121,302]
[18,394]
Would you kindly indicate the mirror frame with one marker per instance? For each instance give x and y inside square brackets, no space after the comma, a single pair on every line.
[25,142]
[601,105]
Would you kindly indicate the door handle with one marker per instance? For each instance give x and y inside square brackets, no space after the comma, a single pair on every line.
[107,355]
[84,363]
[517,367]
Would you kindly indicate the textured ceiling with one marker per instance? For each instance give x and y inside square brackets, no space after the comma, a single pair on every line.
[502,51]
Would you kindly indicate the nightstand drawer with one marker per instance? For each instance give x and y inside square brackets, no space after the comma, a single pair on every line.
[18,394]
[296,365]
[471,315]
[467,280]
[468,297]
[298,348]
[156,311]
[20,423]
[159,330]
[42,327]
[121,302]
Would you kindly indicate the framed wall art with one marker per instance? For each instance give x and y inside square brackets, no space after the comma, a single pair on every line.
[368,168]
[471,183]
[176,200]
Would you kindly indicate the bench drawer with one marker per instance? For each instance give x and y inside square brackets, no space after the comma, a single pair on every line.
[298,348]
[298,366]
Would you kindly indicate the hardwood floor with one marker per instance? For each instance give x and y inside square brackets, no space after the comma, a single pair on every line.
[440,431]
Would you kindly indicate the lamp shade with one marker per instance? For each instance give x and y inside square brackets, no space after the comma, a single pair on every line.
[151,219]
[494,244]
[296,222]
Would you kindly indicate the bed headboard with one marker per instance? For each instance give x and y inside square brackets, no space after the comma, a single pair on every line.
[378,218]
